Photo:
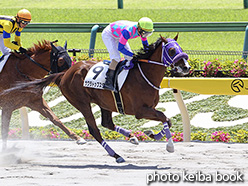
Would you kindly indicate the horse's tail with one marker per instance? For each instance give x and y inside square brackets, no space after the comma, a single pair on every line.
[36,85]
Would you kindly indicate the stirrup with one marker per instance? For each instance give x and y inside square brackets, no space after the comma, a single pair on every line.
[108,85]
[111,88]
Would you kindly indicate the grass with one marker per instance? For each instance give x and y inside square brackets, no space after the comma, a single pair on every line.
[162,11]
[217,104]
[127,4]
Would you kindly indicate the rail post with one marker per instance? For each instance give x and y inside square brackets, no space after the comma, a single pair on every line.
[74,51]
[25,124]
[245,4]
[94,30]
[185,116]
[245,49]
[120,4]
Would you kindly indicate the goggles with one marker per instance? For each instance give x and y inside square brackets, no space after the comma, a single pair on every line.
[145,34]
[24,22]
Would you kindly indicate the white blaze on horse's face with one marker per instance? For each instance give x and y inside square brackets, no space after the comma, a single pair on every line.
[182,68]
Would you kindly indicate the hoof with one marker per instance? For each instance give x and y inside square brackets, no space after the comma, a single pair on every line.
[134,140]
[170,146]
[81,141]
[148,132]
[120,160]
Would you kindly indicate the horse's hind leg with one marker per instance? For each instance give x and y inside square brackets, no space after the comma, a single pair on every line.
[41,106]
[6,115]
[107,122]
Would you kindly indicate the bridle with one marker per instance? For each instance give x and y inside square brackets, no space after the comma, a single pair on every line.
[166,59]
[54,56]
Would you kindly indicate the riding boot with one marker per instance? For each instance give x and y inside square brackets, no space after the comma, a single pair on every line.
[109,84]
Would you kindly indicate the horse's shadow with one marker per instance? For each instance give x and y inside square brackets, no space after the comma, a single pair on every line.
[122,167]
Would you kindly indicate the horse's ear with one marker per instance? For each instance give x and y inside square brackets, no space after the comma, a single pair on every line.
[163,39]
[65,47]
[54,48]
[175,38]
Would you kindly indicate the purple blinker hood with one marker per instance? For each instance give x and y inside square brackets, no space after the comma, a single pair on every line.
[169,60]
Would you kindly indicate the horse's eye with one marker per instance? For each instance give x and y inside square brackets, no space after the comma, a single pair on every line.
[172,52]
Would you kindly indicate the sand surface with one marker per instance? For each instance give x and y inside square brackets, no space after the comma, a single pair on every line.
[56,163]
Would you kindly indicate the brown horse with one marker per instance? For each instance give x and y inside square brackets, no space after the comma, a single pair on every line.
[140,93]
[39,60]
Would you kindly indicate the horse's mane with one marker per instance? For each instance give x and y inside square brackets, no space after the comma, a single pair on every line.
[43,45]
[146,53]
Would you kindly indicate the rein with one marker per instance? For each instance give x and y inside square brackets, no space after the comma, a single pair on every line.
[32,60]
[143,75]
[153,62]
[41,66]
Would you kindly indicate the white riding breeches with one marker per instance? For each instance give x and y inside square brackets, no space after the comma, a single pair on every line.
[111,43]
[5,50]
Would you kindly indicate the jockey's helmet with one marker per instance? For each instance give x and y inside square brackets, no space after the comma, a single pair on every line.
[146,27]
[24,16]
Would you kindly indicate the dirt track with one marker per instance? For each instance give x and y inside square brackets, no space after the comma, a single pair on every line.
[50,163]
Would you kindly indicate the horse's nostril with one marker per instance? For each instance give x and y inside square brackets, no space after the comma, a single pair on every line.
[186,68]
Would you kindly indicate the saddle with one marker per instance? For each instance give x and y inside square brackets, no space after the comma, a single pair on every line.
[120,66]
[116,94]
[95,78]
[3,60]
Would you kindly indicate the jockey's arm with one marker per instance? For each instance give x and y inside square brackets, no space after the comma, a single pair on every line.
[7,42]
[122,42]
[144,42]
[18,38]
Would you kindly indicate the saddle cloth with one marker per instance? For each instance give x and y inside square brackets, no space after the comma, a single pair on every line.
[95,78]
[3,60]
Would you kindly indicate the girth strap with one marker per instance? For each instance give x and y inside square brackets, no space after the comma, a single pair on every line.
[118,100]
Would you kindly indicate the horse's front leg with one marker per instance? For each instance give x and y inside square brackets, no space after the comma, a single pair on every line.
[41,106]
[107,122]
[153,114]
[6,115]
[85,109]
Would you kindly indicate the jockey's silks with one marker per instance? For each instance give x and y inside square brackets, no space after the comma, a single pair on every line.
[8,25]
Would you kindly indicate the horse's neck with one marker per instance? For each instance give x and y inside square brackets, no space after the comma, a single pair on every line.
[154,73]
[30,69]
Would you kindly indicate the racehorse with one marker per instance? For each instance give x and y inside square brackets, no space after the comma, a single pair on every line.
[140,92]
[42,58]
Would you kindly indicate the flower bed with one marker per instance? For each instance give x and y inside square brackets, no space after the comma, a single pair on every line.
[217,68]
[241,136]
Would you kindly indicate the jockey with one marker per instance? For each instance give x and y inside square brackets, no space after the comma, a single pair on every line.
[9,25]
[115,37]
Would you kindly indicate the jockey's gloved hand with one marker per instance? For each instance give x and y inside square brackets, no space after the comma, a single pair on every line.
[14,42]
[22,50]
[135,58]
[146,49]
